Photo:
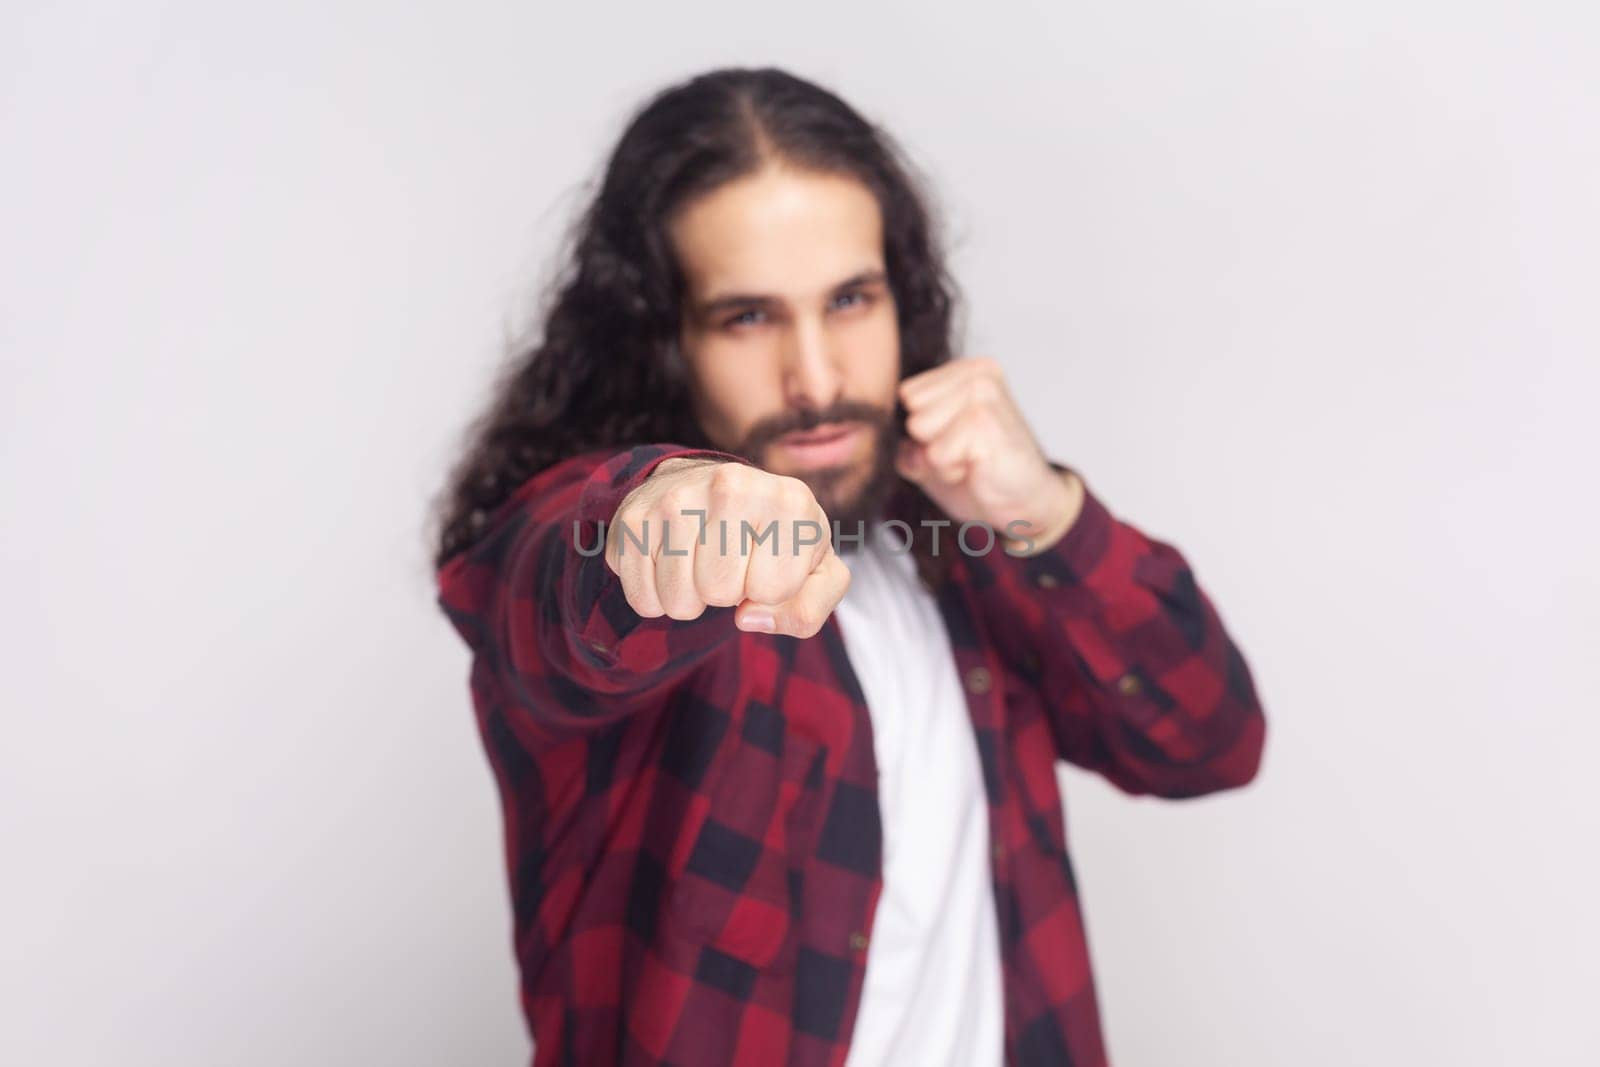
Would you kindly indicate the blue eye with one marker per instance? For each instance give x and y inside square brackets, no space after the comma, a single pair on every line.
[739,319]
[753,316]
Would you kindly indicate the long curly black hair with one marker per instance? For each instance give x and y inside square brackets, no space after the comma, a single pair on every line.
[607,371]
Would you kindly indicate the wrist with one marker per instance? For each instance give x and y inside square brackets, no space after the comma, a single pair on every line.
[681,463]
[1067,497]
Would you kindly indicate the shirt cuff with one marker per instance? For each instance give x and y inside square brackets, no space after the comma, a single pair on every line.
[1074,568]
[613,480]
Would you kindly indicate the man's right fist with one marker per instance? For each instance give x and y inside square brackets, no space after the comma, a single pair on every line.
[695,506]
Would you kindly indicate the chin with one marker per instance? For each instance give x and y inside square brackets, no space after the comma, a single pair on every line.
[855,492]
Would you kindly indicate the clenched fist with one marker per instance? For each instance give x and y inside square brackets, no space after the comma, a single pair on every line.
[972,452]
[690,516]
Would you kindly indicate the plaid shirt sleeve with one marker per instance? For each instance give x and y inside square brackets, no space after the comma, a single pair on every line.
[1140,680]
[536,599]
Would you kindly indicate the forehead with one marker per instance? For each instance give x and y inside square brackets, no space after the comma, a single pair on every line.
[780,231]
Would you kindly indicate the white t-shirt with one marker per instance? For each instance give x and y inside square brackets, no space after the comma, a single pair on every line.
[933,991]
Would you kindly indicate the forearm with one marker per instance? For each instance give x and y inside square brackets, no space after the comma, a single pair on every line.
[1057,515]
[554,622]
[1141,679]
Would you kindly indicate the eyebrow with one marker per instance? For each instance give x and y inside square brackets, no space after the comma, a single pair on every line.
[729,301]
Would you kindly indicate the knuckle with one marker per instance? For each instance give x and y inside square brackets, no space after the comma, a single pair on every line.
[724,494]
[986,390]
[686,610]
[760,587]
[677,597]
[802,620]
[718,584]
[675,500]
[628,516]
[795,490]
[776,487]
[729,475]
[772,585]
[720,594]
[762,485]
[641,602]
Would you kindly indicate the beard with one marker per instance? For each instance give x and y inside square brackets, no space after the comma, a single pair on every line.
[852,495]
[853,510]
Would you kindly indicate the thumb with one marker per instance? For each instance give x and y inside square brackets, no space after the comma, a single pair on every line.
[910,460]
[803,614]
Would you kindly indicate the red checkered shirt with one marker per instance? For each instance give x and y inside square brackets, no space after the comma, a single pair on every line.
[691,823]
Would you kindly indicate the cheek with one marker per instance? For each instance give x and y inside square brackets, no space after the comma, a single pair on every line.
[874,357]
[730,384]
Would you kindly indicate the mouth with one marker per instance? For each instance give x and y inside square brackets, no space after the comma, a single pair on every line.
[822,445]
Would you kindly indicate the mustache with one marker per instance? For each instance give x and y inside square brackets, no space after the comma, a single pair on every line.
[770,429]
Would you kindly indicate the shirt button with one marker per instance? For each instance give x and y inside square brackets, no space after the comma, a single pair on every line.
[858,940]
[1129,685]
[978,680]
[999,850]
[1046,581]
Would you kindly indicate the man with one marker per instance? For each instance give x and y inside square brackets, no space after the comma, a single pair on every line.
[772,797]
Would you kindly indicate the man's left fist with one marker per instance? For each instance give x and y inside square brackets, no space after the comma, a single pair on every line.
[971,451]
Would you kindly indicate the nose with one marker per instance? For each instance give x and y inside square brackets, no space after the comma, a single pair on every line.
[812,377]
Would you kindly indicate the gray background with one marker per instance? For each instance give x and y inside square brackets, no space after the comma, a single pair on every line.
[1306,288]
